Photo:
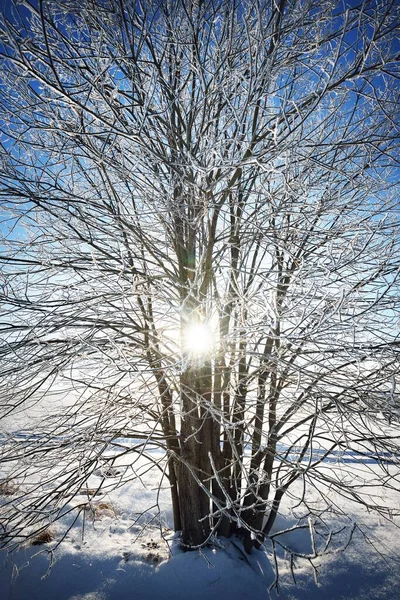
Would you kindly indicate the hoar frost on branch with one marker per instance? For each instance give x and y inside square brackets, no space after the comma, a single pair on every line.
[200,253]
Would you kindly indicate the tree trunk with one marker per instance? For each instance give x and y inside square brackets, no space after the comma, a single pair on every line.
[193,479]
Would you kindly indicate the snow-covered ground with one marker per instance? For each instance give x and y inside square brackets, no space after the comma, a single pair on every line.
[117,553]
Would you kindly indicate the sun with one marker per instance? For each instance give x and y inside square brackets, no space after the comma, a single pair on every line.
[198,339]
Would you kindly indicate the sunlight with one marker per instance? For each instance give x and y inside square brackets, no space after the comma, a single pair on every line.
[198,339]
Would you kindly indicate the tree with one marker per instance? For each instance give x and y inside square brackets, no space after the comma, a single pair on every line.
[201,252]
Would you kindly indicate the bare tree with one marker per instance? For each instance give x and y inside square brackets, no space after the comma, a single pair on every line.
[201,253]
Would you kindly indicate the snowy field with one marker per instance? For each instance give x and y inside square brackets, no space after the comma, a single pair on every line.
[114,552]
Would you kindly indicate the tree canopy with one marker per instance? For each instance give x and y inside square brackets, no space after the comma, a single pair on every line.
[200,252]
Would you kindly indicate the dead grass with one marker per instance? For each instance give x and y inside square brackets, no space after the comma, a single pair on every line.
[99,510]
[43,537]
[88,492]
[8,488]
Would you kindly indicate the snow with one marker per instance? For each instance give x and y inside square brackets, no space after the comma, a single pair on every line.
[116,551]
[101,576]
